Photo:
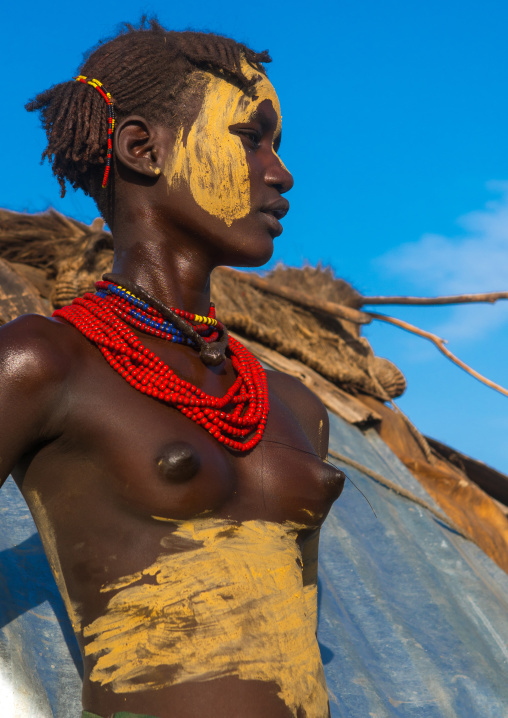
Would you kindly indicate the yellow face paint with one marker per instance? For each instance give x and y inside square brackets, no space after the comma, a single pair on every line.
[212,161]
[231,602]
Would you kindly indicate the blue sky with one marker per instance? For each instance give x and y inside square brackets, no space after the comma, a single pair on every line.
[396,130]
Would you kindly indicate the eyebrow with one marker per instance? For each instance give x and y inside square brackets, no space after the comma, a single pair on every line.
[262,116]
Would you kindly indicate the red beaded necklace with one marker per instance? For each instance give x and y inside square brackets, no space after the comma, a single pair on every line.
[102,319]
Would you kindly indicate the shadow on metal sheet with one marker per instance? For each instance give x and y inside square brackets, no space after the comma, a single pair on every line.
[19,597]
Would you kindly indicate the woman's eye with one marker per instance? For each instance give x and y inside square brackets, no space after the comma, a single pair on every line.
[252,136]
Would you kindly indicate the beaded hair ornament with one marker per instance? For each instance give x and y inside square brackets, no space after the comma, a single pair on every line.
[97,85]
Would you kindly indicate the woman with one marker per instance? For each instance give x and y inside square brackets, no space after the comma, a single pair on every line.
[177,488]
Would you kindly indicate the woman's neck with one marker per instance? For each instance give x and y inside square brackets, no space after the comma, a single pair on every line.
[167,267]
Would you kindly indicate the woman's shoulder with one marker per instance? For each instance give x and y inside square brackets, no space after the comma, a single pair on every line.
[36,355]
[33,347]
[305,405]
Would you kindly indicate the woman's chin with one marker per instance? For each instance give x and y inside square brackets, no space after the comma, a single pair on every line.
[254,255]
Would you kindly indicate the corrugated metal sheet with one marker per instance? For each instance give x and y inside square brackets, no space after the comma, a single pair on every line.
[413,617]
[39,657]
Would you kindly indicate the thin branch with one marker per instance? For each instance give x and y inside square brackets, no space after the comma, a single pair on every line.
[440,343]
[489,297]
[337,310]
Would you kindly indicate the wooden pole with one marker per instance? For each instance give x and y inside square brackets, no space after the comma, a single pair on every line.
[489,297]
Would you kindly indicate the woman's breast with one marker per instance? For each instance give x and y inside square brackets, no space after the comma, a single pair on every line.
[184,477]
[229,602]
[294,484]
[192,475]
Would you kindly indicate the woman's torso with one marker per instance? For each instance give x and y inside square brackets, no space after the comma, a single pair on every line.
[180,563]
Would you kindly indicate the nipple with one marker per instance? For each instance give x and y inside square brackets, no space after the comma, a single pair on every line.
[334,479]
[178,462]
[334,475]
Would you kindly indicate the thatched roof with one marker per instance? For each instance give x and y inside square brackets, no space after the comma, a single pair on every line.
[47,259]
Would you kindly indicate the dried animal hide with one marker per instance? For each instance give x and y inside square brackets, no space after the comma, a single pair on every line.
[466,504]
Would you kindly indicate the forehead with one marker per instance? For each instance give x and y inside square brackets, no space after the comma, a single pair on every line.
[224,101]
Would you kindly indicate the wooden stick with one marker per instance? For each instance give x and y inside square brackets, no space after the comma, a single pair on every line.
[489,297]
[358,317]
[440,343]
[337,310]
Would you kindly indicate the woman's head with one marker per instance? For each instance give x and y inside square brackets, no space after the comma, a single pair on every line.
[148,72]
[212,159]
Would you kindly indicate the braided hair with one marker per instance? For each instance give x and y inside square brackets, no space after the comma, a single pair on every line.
[147,71]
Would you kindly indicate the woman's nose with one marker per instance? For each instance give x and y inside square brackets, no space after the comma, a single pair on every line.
[277,175]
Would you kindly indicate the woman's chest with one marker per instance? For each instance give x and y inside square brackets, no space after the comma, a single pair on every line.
[157,460]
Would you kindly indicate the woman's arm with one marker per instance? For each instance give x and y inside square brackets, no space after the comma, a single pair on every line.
[32,368]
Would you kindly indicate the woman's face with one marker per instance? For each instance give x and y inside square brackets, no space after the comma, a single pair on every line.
[225,170]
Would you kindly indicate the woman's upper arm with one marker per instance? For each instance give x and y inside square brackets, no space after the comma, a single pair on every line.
[30,373]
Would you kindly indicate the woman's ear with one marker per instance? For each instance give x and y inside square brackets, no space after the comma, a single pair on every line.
[141,146]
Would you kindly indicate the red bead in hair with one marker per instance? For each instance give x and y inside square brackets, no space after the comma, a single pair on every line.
[97,85]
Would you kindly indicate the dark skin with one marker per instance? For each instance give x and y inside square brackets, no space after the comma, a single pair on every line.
[103,459]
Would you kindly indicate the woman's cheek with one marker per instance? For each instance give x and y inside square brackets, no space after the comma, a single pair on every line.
[215,170]
[218,176]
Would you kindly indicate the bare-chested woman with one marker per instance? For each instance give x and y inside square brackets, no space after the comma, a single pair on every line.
[182,532]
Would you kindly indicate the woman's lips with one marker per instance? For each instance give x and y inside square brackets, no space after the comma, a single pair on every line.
[273,223]
[275,211]
[278,207]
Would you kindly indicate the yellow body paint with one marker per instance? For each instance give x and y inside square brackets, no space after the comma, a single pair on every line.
[163,518]
[48,539]
[212,161]
[231,602]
